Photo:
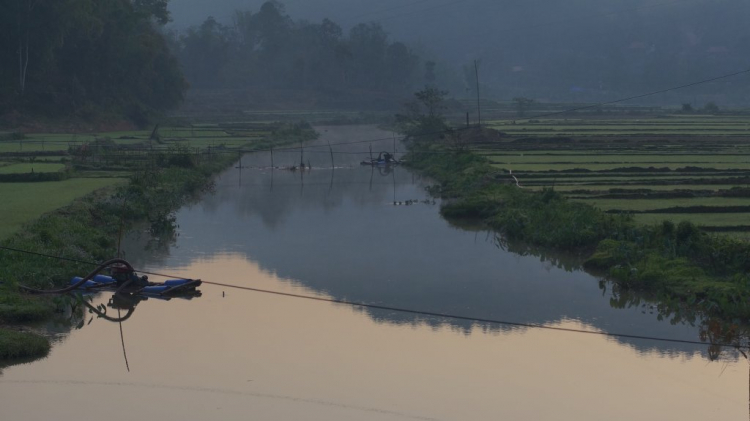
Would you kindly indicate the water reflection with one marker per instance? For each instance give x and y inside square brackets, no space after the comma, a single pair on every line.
[236,354]
[270,357]
[338,232]
[123,301]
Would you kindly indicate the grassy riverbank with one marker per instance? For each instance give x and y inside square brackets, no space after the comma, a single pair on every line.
[657,166]
[678,263]
[22,345]
[86,228]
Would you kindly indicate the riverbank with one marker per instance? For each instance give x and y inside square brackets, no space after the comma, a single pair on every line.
[683,266]
[87,230]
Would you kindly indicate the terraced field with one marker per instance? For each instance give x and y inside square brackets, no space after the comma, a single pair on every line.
[675,167]
[674,125]
[97,161]
[31,167]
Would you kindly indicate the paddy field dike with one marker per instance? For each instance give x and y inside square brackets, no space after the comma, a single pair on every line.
[656,203]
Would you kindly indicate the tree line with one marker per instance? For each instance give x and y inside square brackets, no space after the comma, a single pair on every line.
[89,59]
[268,49]
[100,59]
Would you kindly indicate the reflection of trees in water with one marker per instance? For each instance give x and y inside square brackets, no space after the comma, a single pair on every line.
[566,261]
[141,247]
[282,199]
[725,338]
[273,195]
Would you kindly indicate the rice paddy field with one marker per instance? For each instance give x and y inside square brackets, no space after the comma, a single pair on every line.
[662,167]
[96,161]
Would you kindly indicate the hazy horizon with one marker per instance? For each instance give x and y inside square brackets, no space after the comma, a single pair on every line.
[577,50]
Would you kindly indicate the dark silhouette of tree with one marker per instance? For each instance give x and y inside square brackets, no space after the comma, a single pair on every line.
[424,115]
[269,50]
[87,59]
[522,105]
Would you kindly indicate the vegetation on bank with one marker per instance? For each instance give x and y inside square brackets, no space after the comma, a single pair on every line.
[26,201]
[21,345]
[87,229]
[678,263]
[657,166]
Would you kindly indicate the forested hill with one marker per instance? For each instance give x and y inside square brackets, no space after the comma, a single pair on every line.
[86,59]
[550,50]
[269,50]
[94,60]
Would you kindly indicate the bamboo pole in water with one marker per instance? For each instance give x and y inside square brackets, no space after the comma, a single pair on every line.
[330,149]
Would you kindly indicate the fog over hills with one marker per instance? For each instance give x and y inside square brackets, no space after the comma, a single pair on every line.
[553,50]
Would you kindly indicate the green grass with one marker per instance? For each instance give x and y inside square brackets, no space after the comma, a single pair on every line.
[28,167]
[18,345]
[16,308]
[615,165]
[702,125]
[24,202]
[621,159]
[705,219]
[605,188]
[599,145]
[690,272]
[651,204]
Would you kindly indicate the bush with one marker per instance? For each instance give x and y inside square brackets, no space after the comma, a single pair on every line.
[14,345]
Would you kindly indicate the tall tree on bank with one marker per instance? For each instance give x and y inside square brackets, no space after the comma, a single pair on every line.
[87,59]
[423,116]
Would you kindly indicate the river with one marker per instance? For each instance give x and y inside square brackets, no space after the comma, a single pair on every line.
[376,237]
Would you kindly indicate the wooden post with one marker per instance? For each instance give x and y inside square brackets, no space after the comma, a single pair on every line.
[331,150]
[370,151]
[479,108]
[272,166]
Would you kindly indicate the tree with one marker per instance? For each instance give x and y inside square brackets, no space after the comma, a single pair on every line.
[205,52]
[401,64]
[429,72]
[156,9]
[711,108]
[87,58]
[424,115]
[522,104]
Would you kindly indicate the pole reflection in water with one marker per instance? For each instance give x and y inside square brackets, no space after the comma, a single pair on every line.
[125,301]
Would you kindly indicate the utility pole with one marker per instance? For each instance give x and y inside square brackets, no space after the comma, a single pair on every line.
[479,108]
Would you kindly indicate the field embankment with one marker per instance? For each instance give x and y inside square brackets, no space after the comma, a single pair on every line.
[681,264]
[677,167]
[114,181]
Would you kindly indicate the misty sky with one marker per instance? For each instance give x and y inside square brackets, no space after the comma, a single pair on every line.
[570,45]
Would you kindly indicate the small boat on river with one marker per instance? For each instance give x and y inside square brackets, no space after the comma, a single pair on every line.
[384,159]
[171,288]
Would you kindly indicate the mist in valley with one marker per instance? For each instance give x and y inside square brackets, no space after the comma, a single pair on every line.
[550,51]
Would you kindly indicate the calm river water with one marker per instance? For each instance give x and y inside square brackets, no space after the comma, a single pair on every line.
[239,355]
